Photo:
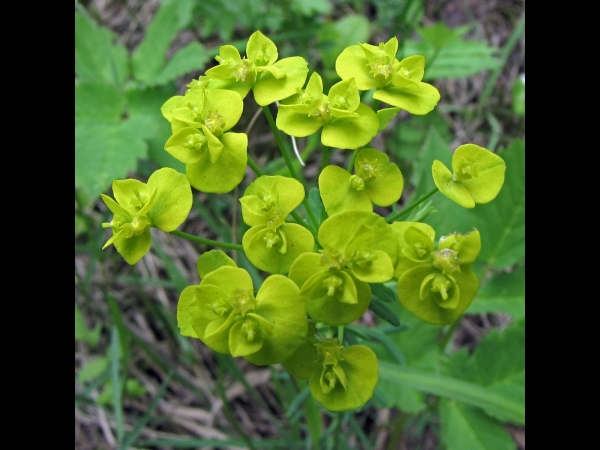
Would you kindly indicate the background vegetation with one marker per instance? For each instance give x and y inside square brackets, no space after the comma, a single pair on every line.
[139,384]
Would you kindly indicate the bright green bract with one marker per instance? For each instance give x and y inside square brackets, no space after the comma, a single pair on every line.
[377,180]
[215,158]
[346,377]
[358,248]
[271,80]
[478,176]
[397,83]
[347,123]
[224,314]
[164,202]
[271,244]
[436,286]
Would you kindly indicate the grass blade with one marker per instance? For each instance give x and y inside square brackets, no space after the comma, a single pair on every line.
[462,391]
[132,436]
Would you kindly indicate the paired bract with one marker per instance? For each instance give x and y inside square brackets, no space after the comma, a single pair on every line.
[164,202]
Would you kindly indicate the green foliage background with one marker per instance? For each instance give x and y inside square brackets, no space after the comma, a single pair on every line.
[458,387]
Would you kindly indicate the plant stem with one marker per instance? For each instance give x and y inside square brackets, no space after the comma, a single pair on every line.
[199,240]
[376,104]
[396,215]
[341,334]
[449,333]
[280,142]
[325,157]
[354,154]
[288,161]
[254,167]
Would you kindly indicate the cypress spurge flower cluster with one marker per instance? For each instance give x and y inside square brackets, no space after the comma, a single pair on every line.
[313,287]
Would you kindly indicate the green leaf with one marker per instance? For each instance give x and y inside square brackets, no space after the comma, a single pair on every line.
[434,147]
[149,57]
[147,102]
[92,369]
[457,59]
[384,293]
[98,100]
[82,333]
[334,37]
[106,150]
[498,364]
[470,393]
[193,56]
[467,428]
[384,311]
[518,94]
[311,7]
[503,292]
[97,59]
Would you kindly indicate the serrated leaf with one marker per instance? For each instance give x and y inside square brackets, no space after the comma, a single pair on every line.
[503,292]
[192,57]
[498,363]
[467,428]
[149,58]
[97,59]
[434,147]
[147,102]
[99,100]
[105,150]
[460,58]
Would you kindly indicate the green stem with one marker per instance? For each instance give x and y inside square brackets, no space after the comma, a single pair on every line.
[299,220]
[288,161]
[341,334]
[449,333]
[354,154]
[280,143]
[254,167]
[396,215]
[376,104]
[506,51]
[324,157]
[311,213]
[199,240]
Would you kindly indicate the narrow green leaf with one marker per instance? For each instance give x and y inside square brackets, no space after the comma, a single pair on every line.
[133,434]
[210,443]
[384,293]
[116,380]
[388,344]
[463,391]
[384,311]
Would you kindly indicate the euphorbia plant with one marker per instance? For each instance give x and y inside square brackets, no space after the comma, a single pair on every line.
[322,270]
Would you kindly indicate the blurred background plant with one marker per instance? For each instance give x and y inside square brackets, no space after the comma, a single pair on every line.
[139,384]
